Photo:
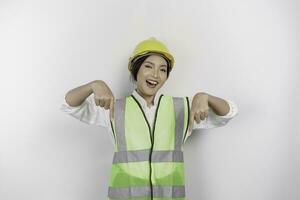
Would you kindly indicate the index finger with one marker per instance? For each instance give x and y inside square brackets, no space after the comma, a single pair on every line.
[111,109]
[191,121]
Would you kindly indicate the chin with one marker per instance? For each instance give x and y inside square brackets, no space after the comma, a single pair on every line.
[149,92]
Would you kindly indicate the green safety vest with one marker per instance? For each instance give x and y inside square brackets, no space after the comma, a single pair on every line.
[148,164]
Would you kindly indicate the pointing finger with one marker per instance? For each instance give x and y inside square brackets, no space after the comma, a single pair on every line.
[111,109]
[191,121]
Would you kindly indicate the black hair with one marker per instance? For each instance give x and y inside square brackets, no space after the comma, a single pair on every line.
[136,65]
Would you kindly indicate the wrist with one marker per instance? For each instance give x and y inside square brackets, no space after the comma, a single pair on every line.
[202,95]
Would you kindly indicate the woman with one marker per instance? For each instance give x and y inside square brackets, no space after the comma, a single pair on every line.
[148,130]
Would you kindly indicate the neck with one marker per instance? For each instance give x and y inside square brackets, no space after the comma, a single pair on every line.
[148,99]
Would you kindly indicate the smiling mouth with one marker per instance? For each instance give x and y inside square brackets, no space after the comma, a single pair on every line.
[151,84]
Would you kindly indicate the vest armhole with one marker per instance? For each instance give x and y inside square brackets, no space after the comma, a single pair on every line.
[186,118]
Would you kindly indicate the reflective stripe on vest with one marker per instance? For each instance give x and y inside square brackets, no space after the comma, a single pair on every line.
[149,163]
[143,155]
[158,191]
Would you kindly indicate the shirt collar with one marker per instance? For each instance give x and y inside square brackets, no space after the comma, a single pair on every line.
[143,102]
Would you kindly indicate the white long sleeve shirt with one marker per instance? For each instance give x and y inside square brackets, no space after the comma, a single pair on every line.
[88,112]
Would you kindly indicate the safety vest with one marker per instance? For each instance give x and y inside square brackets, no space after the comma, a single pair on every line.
[148,164]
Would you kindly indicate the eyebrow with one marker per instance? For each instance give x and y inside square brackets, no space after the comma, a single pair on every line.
[153,63]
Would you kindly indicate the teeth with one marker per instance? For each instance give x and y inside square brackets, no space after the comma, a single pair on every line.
[153,82]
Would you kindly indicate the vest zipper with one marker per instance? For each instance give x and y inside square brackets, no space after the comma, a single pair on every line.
[151,136]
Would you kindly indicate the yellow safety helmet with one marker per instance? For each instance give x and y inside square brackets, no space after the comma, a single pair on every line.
[149,46]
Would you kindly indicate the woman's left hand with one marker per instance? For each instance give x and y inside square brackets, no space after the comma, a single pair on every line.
[199,109]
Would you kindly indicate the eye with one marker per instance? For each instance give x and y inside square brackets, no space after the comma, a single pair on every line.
[164,70]
[148,66]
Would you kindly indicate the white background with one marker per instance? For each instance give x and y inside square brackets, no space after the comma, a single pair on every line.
[245,51]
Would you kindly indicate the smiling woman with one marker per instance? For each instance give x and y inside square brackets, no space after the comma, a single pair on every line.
[150,65]
[148,131]
[136,64]
[149,73]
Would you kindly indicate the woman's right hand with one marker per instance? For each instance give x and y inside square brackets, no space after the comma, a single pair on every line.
[103,96]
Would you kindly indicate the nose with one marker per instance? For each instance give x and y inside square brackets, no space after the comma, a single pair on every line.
[155,73]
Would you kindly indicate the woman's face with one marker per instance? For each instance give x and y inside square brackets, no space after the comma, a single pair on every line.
[152,75]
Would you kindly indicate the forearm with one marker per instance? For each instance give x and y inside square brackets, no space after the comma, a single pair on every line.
[218,105]
[76,96]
